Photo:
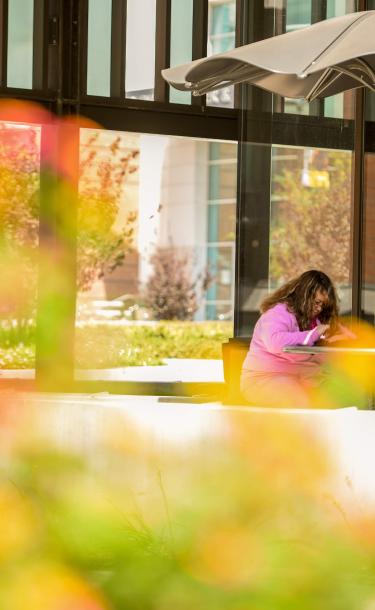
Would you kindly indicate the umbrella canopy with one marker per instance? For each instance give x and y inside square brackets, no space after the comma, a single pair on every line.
[321,60]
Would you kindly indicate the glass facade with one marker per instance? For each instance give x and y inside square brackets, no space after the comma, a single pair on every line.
[242,227]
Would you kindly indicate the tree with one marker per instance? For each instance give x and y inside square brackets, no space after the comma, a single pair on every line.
[101,247]
[312,226]
[19,183]
[171,293]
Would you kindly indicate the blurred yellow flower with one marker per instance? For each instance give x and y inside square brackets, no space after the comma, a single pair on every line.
[18,523]
[228,556]
[49,586]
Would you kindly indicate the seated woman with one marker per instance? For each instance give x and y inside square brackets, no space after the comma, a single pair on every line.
[298,313]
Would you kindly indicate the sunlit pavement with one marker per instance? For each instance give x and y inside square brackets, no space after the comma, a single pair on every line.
[174,370]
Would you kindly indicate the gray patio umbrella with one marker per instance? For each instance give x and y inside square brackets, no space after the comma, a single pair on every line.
[321,60]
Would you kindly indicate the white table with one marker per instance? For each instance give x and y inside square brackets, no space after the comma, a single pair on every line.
[327,349]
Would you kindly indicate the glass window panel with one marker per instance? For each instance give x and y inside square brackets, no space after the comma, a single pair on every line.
[221,268]
[296,213]
[370,106]
[145,229]
[223,150]
[340,106]
[336,8]
[218,311]
[181,42]
[221,38]
[99,47]
[223,170]
[20,43]
[140,49]
[311,216]
[298,14]
[223,181]
[19,186]
[221,222]
[368,292]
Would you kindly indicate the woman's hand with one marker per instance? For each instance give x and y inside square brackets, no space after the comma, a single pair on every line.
[321,329]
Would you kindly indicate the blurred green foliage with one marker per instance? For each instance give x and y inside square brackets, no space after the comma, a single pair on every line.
[105,346]
[127,521]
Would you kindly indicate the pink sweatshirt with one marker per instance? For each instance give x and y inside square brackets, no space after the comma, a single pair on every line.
[277,328]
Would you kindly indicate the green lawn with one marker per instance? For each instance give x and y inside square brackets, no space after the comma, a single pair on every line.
[115,346]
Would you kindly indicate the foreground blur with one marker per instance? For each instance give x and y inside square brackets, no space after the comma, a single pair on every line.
[115,504]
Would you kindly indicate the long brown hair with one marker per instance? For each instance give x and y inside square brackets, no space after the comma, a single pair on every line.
[298,294]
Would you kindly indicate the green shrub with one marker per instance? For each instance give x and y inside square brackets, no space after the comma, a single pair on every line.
[106,347]
[117,346]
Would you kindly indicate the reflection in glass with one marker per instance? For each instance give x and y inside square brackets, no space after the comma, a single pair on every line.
[221,229]
[140,49]
[310,216]
[20,43]
[19,187]
[99,47]
[156,229]
[221,38]
[164,192]
[296,216]
[336,8]
[181,42]
[298,14]
[340,106]
[221,222]
[220,294]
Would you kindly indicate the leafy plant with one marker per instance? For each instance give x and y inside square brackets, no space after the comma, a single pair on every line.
[171,293]
[104,346]
[101,246]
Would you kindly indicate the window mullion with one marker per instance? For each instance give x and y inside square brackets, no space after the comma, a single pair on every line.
[318,13]
[199,33]
[118,48]
[162,50]
[4,42]
[40,45]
